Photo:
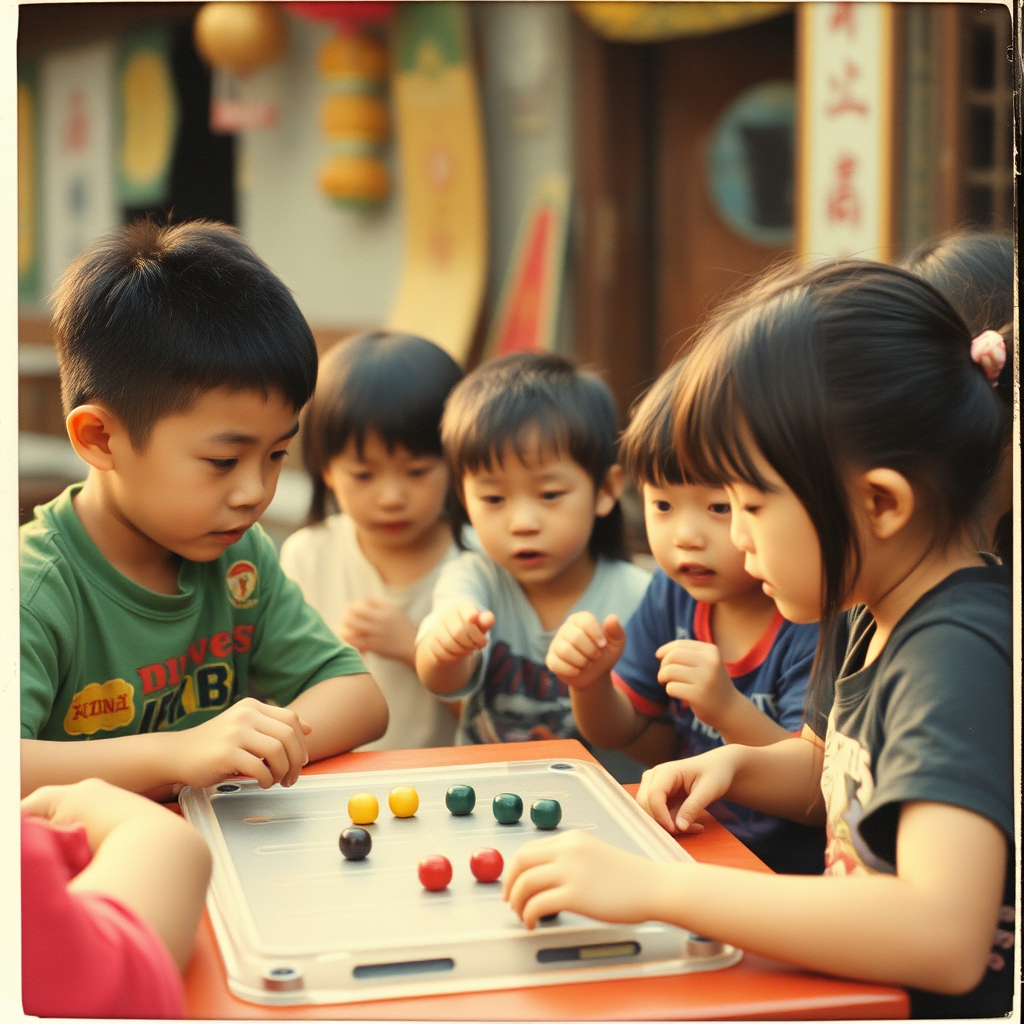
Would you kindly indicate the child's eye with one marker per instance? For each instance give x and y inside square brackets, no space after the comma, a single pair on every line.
[491,499]
[662,506]
[720,508]
[551,495]
[418,471]
[361,475]
[278,456]
[223,463]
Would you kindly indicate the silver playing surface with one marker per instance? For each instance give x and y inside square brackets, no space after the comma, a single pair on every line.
[298,923]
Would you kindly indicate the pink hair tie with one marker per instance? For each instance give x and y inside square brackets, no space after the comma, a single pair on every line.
[988,350]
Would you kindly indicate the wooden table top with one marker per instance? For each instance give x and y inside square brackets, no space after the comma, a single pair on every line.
[755,988]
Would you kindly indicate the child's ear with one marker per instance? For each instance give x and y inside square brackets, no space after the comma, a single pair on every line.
[609,492]
[90,428]
[886,499]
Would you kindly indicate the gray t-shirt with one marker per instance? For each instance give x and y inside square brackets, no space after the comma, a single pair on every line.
[513,695]
[931,718]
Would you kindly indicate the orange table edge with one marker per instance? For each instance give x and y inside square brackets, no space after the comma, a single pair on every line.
[754,989]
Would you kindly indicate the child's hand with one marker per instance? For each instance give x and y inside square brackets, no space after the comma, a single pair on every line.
[574,871]
[249,738]
[583,649]
[674,793]
[460,632]
[92,803]
[693,672]
[379,625]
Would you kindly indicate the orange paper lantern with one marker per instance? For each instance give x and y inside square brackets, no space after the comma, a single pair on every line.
[238,36]
[360,57]
[355,180]
[353,116]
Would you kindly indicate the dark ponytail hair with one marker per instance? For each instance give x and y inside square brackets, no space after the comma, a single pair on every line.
[392,384]
[842,364]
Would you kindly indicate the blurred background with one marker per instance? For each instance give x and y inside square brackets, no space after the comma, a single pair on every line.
[584,177]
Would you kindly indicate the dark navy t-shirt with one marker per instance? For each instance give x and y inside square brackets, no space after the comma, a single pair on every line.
[773,675]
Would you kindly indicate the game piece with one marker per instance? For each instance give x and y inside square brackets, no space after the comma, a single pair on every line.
[362,808]
[460,799]
[486,864]
[355,843]
[435,872]
[403,801]
[508,808]
[546,813]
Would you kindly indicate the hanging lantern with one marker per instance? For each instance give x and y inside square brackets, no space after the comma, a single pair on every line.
[354,117]
[236,38]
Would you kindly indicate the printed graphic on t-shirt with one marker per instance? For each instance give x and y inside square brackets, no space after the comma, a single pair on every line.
[242,581]
[109,705]
[847,784]
[202,678]
[524,701]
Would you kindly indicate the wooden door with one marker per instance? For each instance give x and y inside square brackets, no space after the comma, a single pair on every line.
[699,257]
[650,254]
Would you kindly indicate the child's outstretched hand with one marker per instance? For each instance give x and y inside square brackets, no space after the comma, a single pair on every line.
[460,632]
[693,672]
[574,871]
[674,793]
[583,649]
[381,626]
[249,738]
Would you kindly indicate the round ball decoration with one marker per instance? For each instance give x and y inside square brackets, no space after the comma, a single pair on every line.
[404,801]
[435,872]
[460,799]
[546,814]
[239,36]
[355,843]
[486,864]
[507,807]
[363,808]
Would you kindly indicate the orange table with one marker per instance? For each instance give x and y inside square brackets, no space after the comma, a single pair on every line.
[755,988]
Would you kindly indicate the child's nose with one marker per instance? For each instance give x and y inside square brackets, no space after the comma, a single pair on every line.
[523,517]
[392,493]
[739,536]
[251,489]
[688,534]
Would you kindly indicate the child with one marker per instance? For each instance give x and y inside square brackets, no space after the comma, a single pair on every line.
[372,439]
[974,271]
[852,487]
[100,936]
[151,602]
[706,644]
[531,443]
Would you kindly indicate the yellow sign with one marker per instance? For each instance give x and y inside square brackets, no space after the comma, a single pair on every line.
[107,706]
[441,160]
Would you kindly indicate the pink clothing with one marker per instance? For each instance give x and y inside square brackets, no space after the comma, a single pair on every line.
[85,954]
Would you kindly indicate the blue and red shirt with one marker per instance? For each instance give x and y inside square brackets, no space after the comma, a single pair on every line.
[773,675]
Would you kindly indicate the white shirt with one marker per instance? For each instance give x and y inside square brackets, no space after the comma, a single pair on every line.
[330,567]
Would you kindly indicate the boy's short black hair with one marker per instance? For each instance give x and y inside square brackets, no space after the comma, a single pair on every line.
[647,448]
[390,383]
[500,406]
[152,316]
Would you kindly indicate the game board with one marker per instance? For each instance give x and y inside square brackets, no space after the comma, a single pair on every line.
[298,923]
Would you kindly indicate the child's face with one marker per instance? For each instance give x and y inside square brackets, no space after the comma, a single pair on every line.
[688,531]
[781,545]
[394,497]
[535,518]
[207,474]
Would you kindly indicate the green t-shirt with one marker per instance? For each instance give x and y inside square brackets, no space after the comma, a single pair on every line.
[103,656]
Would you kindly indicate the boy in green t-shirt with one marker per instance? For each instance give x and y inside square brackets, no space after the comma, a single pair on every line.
[154,616]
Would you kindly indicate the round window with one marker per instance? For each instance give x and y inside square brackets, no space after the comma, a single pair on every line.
[750,164]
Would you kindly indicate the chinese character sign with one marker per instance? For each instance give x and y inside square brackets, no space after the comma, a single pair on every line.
[845,151]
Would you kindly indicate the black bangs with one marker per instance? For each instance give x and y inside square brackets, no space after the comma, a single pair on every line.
[528,400]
